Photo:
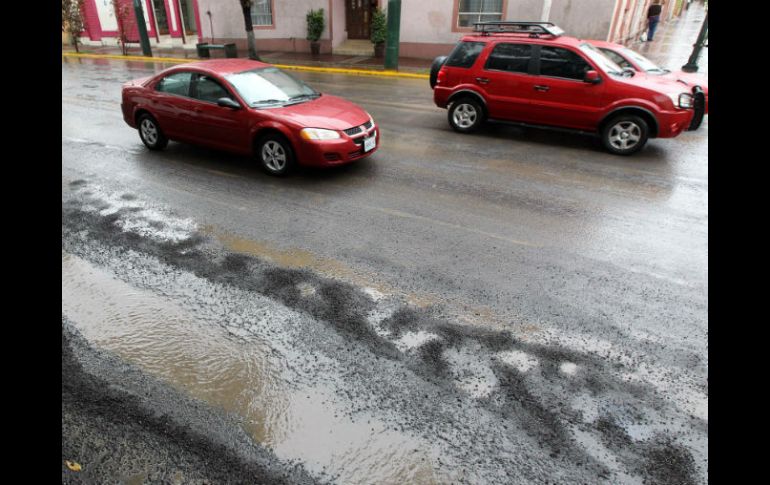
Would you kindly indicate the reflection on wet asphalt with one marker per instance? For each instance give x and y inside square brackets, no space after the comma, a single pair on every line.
[513,306]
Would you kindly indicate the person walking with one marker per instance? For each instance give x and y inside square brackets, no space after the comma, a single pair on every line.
[653,17]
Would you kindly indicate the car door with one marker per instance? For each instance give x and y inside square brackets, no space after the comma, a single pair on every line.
[561,96]
[508,81]
[172,105]
[214,125]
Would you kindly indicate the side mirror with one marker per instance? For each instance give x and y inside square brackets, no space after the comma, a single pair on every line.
[228,103]
[592,77]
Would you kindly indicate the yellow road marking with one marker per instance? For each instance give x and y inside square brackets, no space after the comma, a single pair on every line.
[334,70]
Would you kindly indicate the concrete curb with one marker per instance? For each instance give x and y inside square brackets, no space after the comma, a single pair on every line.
[334,70]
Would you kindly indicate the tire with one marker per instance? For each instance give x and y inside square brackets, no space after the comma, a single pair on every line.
[435,68]
[465,115]
[150,133]
[275,154]
[625,134]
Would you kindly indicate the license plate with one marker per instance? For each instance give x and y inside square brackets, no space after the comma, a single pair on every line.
[369,143]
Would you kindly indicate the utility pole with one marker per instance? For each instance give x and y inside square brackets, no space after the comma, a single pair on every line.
[692,64]
[142,27]
[394,28]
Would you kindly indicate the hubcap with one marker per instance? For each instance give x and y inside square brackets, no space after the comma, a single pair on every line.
[464,115]
[274,156]
[625,135]
[149,131]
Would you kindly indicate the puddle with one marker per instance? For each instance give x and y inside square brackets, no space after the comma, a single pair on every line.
[241,374]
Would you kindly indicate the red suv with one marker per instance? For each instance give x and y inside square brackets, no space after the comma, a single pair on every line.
[531,74]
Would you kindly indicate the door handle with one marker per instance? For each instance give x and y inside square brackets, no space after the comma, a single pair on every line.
[541,88]
[482,80]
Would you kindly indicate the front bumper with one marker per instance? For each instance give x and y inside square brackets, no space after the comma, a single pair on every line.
[329,153]
[672,123]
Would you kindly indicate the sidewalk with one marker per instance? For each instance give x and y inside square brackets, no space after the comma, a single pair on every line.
[674,41]
[405,64]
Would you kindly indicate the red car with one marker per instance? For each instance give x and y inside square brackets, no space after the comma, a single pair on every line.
[627,58]
[251,108]
[531,74]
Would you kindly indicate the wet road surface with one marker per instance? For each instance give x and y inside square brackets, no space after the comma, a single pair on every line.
[511,306]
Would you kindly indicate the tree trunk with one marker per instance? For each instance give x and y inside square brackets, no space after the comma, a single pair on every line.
[253,54]
[75,42]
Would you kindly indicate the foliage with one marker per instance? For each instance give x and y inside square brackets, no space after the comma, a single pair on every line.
[72,19]
[315,24]
[379,27]
[123,14]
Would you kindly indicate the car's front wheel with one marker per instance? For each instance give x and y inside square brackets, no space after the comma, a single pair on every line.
[150,133]
[275,154]
[466,115]
[625,134]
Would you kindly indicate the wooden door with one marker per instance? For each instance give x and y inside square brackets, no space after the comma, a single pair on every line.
[358,17]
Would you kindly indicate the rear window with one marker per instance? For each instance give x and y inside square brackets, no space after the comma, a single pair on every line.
[465,54]
[510,57]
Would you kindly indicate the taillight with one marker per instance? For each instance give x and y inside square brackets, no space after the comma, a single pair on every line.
[441,76]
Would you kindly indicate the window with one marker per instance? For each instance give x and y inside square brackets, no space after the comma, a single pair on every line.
[471,11]
[616,58]
[557,62]
[270,86]
[262,13]
[510,57]
[465,54]
[206,89]
[178,83]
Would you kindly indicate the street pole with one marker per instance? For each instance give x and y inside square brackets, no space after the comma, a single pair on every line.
[546,11]
[692,64]
[394,27]
[142,27]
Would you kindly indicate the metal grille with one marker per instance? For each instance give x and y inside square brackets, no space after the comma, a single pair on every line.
[353,131]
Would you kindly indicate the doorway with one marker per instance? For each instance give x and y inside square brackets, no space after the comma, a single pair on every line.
[159,9]
[188,17]
[358,18]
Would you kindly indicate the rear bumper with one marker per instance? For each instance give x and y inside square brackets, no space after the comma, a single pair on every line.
[128,117]
[330,153]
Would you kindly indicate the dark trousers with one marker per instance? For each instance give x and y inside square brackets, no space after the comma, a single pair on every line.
[652,23]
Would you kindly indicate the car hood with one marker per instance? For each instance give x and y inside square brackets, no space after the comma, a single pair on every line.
[327,111]
[660,84]
[690,79]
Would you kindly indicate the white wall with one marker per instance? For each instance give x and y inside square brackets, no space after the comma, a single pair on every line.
[106,12]
[289,18]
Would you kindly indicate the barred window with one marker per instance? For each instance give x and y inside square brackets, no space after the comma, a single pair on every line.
[261,13]
[471,11]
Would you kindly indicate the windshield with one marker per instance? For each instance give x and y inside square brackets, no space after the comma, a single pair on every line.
[269,86]
[605,63]
[644,63]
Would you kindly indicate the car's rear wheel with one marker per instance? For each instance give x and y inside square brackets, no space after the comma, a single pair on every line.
[625,134]
[275,154]
[150,133]
[465,115]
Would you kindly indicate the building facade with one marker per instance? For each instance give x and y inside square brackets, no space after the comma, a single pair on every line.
[168,22]
[428,27]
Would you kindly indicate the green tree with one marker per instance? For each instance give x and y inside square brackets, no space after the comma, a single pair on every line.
[72,20]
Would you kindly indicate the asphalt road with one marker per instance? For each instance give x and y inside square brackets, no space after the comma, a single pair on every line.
[513,305]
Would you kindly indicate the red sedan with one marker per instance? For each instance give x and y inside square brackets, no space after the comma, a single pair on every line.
[251,108]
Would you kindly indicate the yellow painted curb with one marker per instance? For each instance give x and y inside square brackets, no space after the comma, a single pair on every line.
[335,70]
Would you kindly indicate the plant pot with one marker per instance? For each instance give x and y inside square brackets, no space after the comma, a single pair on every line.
[315,48]
[379,50]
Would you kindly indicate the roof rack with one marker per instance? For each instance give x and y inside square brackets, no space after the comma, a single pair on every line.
[534,29]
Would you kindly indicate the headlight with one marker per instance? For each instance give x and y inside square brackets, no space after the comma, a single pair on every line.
[318,134]
[686,100]
[371,120]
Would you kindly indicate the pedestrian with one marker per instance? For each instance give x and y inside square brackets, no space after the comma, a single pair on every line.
[653,17]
